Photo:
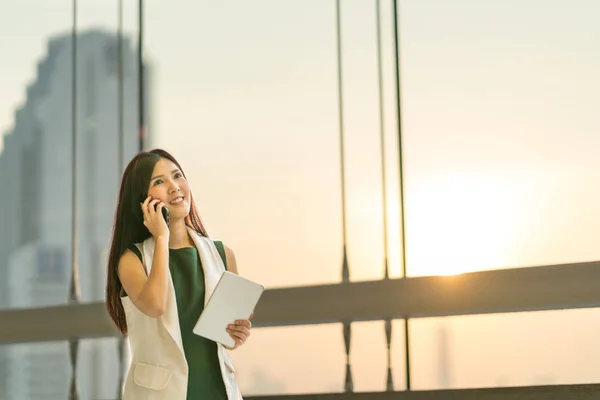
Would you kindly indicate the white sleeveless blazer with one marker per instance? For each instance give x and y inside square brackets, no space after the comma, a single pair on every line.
[159,370]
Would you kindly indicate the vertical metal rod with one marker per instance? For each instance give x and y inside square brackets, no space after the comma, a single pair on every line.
[389,386]
[74,288]
[141,123]
[382,141]
[349,381]
[345,272]
[120,89]
[349,385]
[388,322]
[121,161]
[402,182]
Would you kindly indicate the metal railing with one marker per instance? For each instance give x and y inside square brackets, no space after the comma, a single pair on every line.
[555,287]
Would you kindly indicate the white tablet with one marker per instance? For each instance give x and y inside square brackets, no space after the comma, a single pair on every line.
[234,298]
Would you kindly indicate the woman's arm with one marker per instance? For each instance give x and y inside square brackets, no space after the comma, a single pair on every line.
[148,292]
[239,330]
[230,258]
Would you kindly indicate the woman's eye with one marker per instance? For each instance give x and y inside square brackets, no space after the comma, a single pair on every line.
[178,175]
[157,182]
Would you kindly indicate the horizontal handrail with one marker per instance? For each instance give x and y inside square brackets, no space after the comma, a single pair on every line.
[554,287]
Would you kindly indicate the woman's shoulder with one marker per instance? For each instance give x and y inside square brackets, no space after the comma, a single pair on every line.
[135,250]
[221,249]
[227,255]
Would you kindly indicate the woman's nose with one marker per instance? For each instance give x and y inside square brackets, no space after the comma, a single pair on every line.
[174,187]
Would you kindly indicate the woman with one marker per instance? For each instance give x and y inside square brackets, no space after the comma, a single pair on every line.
[159,276]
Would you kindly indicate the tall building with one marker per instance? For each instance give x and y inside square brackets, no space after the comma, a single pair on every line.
[36,206]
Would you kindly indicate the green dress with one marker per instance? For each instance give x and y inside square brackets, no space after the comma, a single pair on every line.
[204,380]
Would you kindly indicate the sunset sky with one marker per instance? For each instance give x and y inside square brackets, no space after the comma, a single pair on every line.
[501,139]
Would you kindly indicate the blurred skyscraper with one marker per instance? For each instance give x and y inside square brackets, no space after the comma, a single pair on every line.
[36,205]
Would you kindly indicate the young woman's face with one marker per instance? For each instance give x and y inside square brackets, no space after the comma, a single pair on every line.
[168,185]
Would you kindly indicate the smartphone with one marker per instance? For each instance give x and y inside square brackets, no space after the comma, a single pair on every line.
[165,213]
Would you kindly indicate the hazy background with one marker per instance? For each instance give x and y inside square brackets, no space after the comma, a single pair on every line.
[501,139]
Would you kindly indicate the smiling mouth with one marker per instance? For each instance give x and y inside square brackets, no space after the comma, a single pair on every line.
[176,201]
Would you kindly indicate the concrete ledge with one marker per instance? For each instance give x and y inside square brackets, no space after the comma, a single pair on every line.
[553,287]
[557,392]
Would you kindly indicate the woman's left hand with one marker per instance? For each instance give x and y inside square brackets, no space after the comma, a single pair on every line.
[240,331]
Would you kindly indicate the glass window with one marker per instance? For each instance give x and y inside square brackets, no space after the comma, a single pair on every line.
[522,349]
[36,371]
[500,123]
[261,369]
[368,356]
[248,102]
[366,119]
[103,123]
[98,369]
[35,162]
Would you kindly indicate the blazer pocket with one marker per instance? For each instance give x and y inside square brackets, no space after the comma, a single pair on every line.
[150,376]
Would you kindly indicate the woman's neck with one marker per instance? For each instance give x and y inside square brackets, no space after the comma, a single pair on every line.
[179,236]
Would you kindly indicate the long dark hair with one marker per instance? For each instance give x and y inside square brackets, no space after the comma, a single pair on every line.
[129,227]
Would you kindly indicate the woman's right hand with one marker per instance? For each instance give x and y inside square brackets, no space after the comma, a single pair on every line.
[153,219]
